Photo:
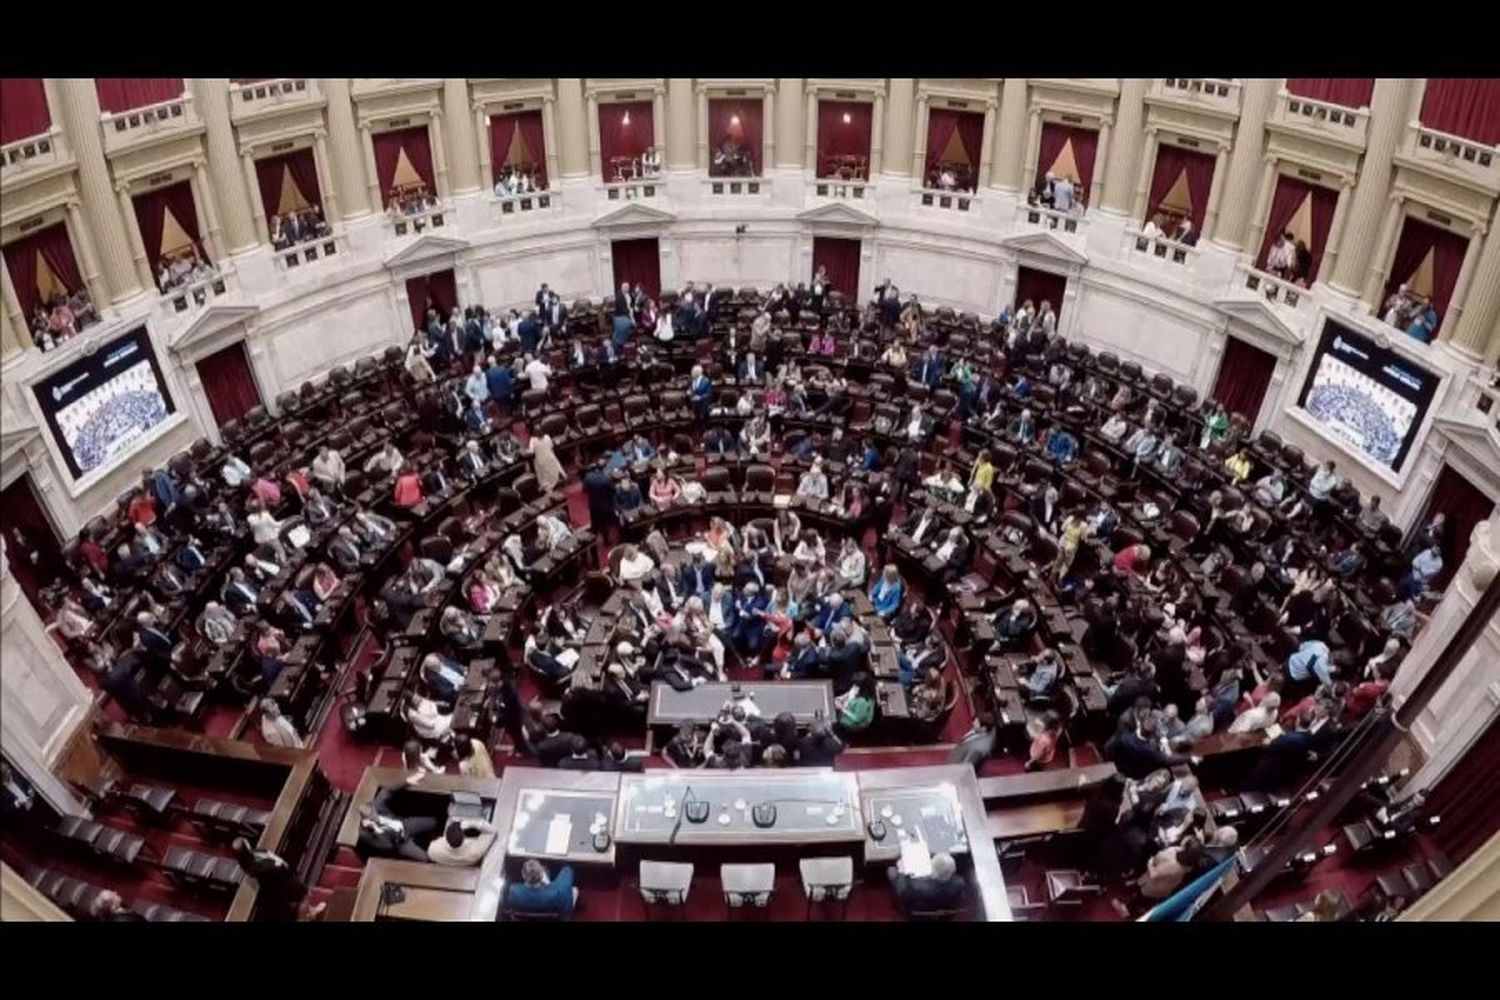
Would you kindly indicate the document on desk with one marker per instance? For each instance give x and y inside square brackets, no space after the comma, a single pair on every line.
[559,835]
[568,658]
[916,860]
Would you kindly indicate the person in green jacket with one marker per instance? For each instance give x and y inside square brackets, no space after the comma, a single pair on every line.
[856,706]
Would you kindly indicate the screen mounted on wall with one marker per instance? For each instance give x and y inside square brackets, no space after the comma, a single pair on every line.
[100,405]
[1368,397]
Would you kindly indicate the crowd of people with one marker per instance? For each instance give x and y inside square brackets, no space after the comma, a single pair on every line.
[183,268]
[61,317]
[298,227]
[1407,311]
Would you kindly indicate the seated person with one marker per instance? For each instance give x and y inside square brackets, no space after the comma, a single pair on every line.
[1014,625]
[384,834]
[537,893]
[1039,674]
[460,629]
[856,706]
[443,677]
[886,595]
[928,697]
[427,719]
[463,844]
[580,757]
[1044,744]
[944,889]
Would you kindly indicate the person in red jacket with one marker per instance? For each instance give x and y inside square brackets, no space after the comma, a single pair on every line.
[1362,698]
[142,509]
[408,491]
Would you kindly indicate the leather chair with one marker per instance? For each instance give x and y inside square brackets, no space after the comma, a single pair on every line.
[716,479]
[438,548]
[588,418]
[554,425]
[1107,362]
[760,479]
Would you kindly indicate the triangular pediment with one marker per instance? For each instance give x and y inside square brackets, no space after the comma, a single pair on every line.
[837,213]
[633,213]
[1254,313]
[209,325]
[18,432]
[1045,244]
[426,248]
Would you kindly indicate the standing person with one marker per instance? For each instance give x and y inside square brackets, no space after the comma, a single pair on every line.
[277,879]
[549,471]
[600,490]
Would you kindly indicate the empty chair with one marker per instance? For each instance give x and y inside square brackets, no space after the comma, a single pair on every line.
[716,479]
[160,913]
[1069,888]
[555,425]
[827,880]
[154,800]
[760,479]
[208,871]
[1161,384]
[119,845]
[665,883]
[747,886]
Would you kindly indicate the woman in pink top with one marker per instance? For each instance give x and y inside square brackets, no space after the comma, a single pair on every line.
[1133,559]
[664,489]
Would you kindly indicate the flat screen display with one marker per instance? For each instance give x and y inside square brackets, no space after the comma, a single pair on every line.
[1366,396]
[100,405]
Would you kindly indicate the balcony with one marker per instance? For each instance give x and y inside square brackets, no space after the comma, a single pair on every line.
[633,190]
[1321,120]
[33,154]
[1040,217]
[1211,94]
[295,258]
[1464,161]
[1488,404]
[411,223]
[127,130]
[838,188]
[948,201]
[735,187]
[1160,252]
[196,294]
[248,101]
[1270,288]
[531,203]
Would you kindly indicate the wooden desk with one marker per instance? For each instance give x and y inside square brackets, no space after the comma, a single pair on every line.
[804,699]
[1041,784]
[443,785]
[814,806]
[433,892]
[1035,820]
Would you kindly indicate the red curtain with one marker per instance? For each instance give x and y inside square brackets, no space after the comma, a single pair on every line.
[1244,375]
[1288,197]
[229,384]
[56,249]
[638,262]
[1448,249]
[438,290]
[841,258]
[150,214]
[617,139]
[1468,799]
[1041,286]
[941,124]
[304,169]
[1171,161]
[746,133]
[1469,109]
[21,515]
[1085,146]
[388,149]
[1347,91]
[23,108]
[1465,506]
[837,137]
[126,93]
[503,130]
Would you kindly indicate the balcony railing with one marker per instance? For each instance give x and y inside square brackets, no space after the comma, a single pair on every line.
[248,100]
[633,190]
[1459,159]
[836,187]
[299,255]
[528,203]
[1209,93]
[125,129]
[1322,119]
[419,222]
[734,187]
[30,153]
[1271,288]
[196,294]
[1046,218]
[952,201]
[1489,403]
[1159,248]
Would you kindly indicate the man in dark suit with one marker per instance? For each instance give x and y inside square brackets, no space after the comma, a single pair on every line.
[345,550]
[384,834]
[580,757]
[930,369]
[1137,752]
[819,748]
[944,889]
[696,578]
[554,744]
[600,489]
[751,370]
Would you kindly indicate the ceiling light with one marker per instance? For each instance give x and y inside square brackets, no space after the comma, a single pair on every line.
[626,119]
[734,119]
[848,118]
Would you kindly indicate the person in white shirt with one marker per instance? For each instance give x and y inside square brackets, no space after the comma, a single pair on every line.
[634,565]
[1062,194]
[328,468]
[1262,716]
[275,728]
[426,720]
[236,473]
[1153,228]
[387,461]
[664,331]
[264,528]
[463,844]
[1114,428]
[852,565]
[537,371]
[1323,481]
[814,484]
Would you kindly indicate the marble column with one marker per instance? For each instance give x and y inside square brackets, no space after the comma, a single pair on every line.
[1257,97]
[901,118]
[1143,179]
[1389,108]
[435,136]
[1033,149]
[1126,140]
[572,128]
[1215,194]
[79,111]
[1477,331]
[1101,156]
[1458,302]
[790,109]
[991,121]
[1335,231]
[682,106]
[1390,230]
[258,212]
[767,129]
[348,156]
[1010,135]
[463,140]
[327,187]
[15,336]
[228,191]
[1261,208]
[208,215]
[371,172]
[137,247]
[88,257]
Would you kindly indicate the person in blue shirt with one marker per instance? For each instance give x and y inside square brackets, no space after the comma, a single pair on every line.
[1423,323]
[1424,569]
[500,382]
[536,893]
[621,330]
[1310,659]
[477,386]
[443,677]
[885,596]
[640,449]
[163,488]
[703,392]
[871,460]
[832,611]
[696,578]
[750,619]
[627,495]
[1062,447]
[719,441]
[476,420]
[530,333]
[930,369]
[1023,428]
